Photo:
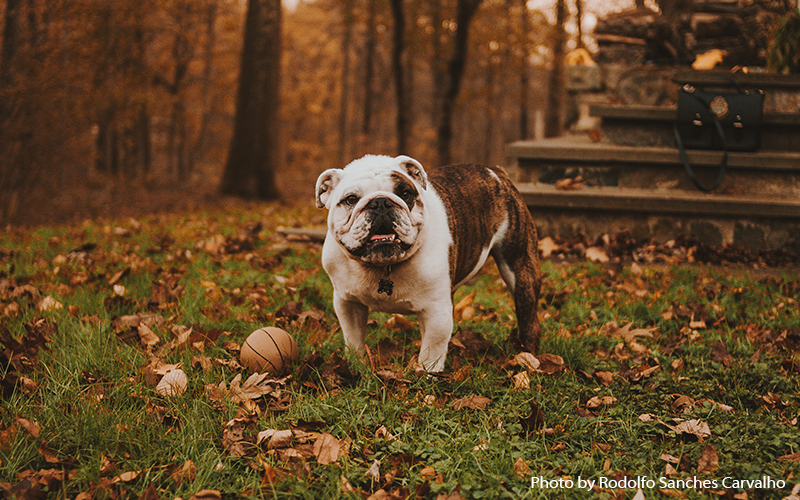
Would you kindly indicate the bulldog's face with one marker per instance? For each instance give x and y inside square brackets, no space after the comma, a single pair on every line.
[375,207]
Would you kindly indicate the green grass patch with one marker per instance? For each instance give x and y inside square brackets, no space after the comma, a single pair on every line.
[662,374]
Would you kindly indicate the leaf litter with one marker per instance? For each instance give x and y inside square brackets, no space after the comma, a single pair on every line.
[206,357]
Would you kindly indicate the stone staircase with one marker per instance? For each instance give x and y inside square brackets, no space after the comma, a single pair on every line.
[633,178]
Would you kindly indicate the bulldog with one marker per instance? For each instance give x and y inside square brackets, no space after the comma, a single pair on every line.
[401,240]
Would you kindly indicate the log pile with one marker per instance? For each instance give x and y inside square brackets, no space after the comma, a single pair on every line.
[740,28]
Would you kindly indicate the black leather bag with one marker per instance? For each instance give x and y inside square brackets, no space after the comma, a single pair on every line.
[726,121]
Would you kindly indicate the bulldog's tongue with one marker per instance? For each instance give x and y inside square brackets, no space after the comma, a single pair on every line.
[382,237]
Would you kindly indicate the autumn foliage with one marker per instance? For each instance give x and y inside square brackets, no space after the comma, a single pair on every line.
[121,378]
[105,104]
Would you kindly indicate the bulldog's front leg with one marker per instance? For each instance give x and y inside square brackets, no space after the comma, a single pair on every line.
[353,318]
[436,327]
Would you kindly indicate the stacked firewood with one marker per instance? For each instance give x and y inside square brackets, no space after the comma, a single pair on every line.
[739,29]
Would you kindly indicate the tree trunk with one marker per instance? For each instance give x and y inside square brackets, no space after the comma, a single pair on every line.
[554,118]
[398,67]
[369,74]
[465,11]
[344,102]
[524,78]
[254,154]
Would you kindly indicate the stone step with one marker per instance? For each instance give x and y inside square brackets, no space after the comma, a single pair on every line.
[632,125]
[775,174]
[658,201]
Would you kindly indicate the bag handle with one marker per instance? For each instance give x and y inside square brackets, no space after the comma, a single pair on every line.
[688,167]
[685,159]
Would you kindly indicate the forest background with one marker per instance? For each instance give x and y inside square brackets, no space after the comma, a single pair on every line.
[120,106]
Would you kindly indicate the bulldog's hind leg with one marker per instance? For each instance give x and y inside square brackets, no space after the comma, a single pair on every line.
[518,261]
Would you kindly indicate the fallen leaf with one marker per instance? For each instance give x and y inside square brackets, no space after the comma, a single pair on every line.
[550,364]
[173,383]
[547,246]
[694,427]
[187,472]
[793,457]
[275,439]
[326,449]
[527,361]
[48,304]
[374,471]
[605,378]
[521,468]
[709,460]
[522,381]
[458,309]
[146,336]
[473,401]
[626,332]
[207,495]
[30,426]
[720,354]
[597,254]
[398,322]
[47,453]
[597,402]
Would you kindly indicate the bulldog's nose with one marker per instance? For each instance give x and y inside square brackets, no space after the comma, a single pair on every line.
[381,204]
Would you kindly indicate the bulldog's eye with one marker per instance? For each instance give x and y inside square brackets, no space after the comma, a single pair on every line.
[407,195]
[350,200]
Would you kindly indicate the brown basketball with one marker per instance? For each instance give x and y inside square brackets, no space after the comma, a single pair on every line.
[269,350]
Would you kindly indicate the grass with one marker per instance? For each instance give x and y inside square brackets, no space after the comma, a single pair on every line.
[81,417]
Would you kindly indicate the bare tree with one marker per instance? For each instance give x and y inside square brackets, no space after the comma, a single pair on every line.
[399,68]
[465,11]
[554,117]
[254,154]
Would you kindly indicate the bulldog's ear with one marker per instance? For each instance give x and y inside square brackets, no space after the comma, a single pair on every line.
[414,169]
[325,184]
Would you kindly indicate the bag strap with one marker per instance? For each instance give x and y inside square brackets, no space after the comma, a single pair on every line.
[685,159]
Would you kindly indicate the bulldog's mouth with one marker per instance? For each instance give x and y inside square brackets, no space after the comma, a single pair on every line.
[376,239]
[383,246]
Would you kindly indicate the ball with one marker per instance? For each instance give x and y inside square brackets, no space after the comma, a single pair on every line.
[269,350]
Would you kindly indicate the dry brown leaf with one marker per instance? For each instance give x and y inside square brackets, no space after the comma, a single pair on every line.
[693,427]
[187,472]
[173,383]
[709,460]
[48,304]
[522,381]
[547,246]
[146,336]
[597,254]
[207,495]
[398,322]
[346,486]
[275,439]
[467,301]
[30,426]
[597,402]
[527,361]
[127,477]
[326,449]
[473,401]
[550,364]
[47,453]
[626,332]
[374,471]
[605,378]
[793,457]
[521,468]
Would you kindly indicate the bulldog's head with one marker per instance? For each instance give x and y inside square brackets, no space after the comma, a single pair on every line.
[375,207]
